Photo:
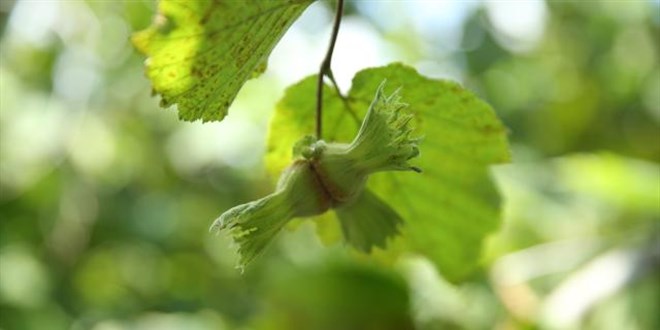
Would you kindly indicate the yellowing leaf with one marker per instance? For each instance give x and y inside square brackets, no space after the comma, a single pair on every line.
[451,207]
[201,52]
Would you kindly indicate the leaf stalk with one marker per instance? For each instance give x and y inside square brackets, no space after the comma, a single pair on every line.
[326,71]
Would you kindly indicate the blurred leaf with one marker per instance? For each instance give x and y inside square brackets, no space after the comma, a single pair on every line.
[202,52]
[448,209]
[620,181]
[337,295]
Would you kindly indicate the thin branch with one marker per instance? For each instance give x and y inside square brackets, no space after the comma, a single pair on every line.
[326,71]
[344,99]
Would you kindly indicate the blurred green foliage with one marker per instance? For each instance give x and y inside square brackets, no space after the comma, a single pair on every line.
[592,83]
[105,199]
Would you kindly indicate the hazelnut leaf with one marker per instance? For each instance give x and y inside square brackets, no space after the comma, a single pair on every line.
[200,53]
[450,208]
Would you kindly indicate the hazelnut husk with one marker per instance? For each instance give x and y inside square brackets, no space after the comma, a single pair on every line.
[326,176]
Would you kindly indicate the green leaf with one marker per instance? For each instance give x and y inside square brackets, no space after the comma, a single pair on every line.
[200,53]
[450,208]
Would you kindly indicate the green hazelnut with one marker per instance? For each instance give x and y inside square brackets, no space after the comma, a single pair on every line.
[333,176]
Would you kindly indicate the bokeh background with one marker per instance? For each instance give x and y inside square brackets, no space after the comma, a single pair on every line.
[105,199]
